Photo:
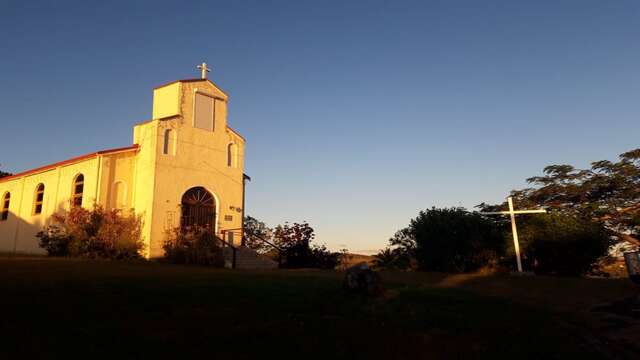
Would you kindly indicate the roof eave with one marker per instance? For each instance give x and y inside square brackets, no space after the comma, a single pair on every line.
[192,80]
[74,160]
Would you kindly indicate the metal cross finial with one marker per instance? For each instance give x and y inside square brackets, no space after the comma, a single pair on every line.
[203,70]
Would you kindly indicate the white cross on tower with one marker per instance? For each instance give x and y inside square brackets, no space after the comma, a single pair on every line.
[514,230]
[203,70]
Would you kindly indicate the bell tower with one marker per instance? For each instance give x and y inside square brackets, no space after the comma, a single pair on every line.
[188,145]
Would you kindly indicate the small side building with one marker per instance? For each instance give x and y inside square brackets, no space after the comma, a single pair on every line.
[185,167]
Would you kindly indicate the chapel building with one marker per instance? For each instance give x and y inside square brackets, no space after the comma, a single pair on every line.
[185,167]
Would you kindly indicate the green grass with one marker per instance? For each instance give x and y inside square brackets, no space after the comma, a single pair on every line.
[69,308]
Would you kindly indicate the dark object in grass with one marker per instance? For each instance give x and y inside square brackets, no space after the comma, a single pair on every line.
[632,259]
[360,278]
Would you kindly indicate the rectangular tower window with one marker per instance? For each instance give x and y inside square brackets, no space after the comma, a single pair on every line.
[203,116]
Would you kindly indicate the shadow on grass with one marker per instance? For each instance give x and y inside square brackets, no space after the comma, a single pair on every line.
[109,309]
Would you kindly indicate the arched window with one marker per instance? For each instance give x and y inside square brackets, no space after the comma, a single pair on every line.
[4,214]
[38,199]
[78,190]
[119,198]
[169,147]
[232,155]
[198,208]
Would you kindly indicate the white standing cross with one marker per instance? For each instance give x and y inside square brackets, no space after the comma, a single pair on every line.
[514,230]
[203,70]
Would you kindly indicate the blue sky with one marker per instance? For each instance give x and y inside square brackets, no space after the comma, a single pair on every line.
[357,114]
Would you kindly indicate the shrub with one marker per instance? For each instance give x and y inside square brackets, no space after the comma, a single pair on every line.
[455,240]
[302,255]
[255,234]
[392,259]
[96,233]
[323,258]
[448,240]
[562,245]
[193,245]
[297,251]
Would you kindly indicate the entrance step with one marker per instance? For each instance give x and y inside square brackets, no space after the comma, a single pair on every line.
[248,259]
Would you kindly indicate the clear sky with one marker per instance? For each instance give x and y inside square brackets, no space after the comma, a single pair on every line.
[357,114]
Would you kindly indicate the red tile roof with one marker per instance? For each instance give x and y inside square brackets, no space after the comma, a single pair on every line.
[69,161]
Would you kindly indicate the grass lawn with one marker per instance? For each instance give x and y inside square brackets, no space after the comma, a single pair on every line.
[58,308]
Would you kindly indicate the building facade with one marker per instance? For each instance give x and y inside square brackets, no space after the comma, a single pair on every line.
[185,167]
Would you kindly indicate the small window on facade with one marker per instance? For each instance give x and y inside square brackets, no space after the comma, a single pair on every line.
[78,190]
[169,142]
[203,116]
[6,199]
[38,199]
[232,155]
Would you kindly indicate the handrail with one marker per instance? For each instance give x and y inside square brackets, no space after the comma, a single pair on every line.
[255,235]
[243,242]
[234,250]
[268,242]
[224,242]
[279,249]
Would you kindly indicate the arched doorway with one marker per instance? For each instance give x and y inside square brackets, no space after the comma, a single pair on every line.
[198,208]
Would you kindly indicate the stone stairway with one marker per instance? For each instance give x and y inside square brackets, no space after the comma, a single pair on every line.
[247,259]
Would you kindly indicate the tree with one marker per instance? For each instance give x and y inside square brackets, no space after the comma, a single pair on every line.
[3,174]
[562,244]
[448,240]
[297,252]
[257,234]
[607,192]
[297,233]
[399,253]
